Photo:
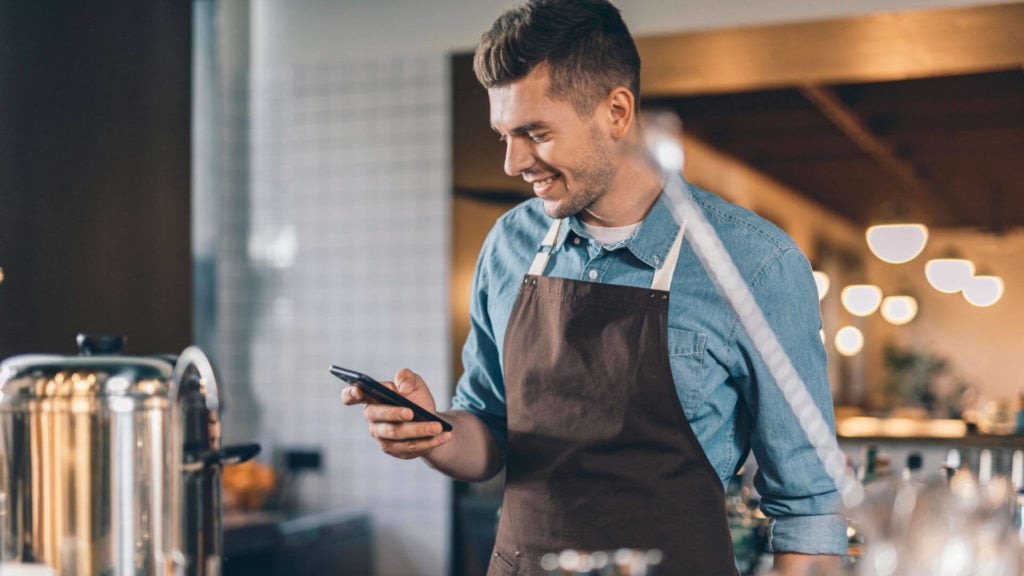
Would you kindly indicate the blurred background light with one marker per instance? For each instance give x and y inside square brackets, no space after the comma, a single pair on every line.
[983,290]
[949,275]
[849,341]
[861,299]
[899,310]
[663,134]
[897,243]
[823,283]
[669,154]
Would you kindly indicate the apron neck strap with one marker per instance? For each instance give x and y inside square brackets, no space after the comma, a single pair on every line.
[540,261]
[662,276]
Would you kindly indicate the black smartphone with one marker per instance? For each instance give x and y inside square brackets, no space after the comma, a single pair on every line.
[382,393]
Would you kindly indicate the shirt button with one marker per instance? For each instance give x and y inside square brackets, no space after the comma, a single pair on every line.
[592,274]
[576,241]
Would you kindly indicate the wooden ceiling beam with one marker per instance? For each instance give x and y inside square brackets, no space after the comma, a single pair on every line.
[847,120]
[871,48]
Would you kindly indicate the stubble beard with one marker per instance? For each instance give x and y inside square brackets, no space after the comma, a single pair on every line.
[592,181]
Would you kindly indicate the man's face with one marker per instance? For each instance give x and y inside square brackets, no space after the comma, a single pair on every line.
[564,156]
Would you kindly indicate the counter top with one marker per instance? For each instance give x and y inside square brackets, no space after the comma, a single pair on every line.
[968,441]
[861,426]
[291,520]
[920,431]
[279,543]
[247,530]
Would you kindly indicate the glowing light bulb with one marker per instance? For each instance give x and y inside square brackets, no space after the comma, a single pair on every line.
[984,290]
[822,282]
[949,275]
[899,310]
[897,243]
[861,299]
[849,341]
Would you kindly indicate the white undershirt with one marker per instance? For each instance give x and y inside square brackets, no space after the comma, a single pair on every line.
[609,235]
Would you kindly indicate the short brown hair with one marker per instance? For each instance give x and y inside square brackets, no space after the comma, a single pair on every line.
[585,44]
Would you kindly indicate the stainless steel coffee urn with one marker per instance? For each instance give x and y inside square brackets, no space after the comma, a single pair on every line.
[111,463]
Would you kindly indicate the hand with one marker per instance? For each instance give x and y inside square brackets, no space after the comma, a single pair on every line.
[392,426]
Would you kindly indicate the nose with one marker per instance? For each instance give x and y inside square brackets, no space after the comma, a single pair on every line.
[517,157]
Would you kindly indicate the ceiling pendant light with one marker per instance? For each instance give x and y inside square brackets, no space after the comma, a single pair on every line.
[949,275]
[822,282]
[849,341]
[897,243]
[899,310]
[983,291]
[861,299]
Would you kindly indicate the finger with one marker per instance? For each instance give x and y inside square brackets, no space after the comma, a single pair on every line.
[351,395]
[407,381]
[409,449]
[387,413]
[404,431]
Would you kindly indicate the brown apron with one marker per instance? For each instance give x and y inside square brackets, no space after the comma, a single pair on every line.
[600,454]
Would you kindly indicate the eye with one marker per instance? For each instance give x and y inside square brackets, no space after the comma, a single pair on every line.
[540,137]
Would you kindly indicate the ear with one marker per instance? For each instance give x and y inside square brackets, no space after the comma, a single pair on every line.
[620,105]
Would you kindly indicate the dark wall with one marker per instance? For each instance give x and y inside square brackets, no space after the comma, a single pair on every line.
[95,173]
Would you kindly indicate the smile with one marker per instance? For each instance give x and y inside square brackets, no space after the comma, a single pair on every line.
[541,186]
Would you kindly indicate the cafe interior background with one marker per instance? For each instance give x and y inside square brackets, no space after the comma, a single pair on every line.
[324,174]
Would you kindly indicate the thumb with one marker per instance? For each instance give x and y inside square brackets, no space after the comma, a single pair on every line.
[407,381]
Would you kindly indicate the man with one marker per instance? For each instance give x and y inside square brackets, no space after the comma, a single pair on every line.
[603,369]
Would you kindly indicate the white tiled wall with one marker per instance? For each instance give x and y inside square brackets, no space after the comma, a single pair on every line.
[343,258]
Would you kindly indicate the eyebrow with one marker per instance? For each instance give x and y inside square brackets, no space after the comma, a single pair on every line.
[525,128]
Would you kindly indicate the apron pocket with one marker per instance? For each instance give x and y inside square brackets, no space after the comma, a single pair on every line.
[502,564]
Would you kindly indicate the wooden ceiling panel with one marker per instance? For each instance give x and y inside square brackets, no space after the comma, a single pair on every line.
[884,46]
[905,108]
[917,144]
[852,187]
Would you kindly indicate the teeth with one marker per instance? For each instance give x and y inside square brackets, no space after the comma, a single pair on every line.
[544,182]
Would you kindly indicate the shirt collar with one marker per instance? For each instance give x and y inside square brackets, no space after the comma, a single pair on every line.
[650,243]
[653,240]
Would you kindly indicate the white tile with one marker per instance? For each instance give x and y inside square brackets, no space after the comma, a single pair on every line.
[352,156]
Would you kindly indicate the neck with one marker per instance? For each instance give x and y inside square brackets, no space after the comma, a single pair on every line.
[630,196]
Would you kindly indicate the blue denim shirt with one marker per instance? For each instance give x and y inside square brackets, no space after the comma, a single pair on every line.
[727,394]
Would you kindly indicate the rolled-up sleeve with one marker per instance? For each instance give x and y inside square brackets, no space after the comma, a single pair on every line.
[795,490]
[825,534]
[481,389]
